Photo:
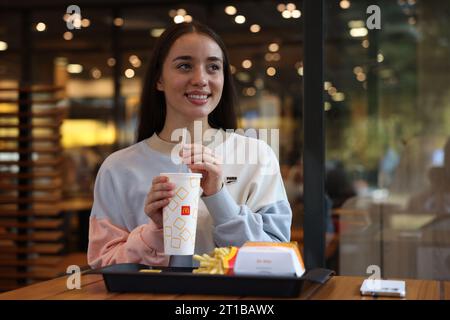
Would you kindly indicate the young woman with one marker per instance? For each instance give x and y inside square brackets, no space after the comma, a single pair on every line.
[188,85]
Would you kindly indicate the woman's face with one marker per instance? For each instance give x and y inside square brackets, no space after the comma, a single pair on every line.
[192,77]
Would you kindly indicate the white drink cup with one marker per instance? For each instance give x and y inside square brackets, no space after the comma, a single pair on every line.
[180,215]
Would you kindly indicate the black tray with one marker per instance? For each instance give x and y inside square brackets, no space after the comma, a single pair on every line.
[127,278]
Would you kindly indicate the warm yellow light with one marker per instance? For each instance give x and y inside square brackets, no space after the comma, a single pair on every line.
[327,85]
[296,14]
[68,35]
[271,71]
[365,43]
[178,19]
[380,57]
[300,71]
[361,77]
[157,32]
[268,56]
[129,73]
[338,97]
[274,47]
[276,56]
[255,28]
[345,4]
[85,22]
[111,62]
[358,32]
[326,106]
[3,46]
[290,7]
[332,91]
[172,13]
[41,27]
[118,22]
[246,64]
[357,70]
[251,91]
[181,12]
[230,10]
[135,61]
[281,7]
[240,19]
[232,69]
[187,18]
[76,133]
[96,73]
[74,68]
[286,14]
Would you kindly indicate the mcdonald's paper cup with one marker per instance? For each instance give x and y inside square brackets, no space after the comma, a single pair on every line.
[180,215]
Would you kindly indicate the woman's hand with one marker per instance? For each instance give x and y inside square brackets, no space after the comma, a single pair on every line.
[157,198]
[201,159]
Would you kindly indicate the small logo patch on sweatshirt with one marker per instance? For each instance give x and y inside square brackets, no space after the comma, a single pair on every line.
[230,180]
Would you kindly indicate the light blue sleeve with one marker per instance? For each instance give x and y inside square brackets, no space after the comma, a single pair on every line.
[235,224]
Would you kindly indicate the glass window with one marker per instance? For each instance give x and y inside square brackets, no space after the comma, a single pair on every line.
[387,107]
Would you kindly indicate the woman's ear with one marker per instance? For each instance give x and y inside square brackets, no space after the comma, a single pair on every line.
[159,85]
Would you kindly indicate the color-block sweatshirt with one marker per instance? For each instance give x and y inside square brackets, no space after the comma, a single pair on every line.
[251,205]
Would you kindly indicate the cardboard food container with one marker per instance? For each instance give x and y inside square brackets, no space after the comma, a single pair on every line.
[271,258]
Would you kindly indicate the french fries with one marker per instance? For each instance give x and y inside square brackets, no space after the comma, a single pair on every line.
[216,262]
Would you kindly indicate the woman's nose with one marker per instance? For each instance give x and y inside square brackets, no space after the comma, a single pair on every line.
[199,78]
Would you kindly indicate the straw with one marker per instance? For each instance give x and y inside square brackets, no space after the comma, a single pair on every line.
[183,142]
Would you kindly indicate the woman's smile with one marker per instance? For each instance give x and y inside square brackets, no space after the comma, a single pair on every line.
[198,98]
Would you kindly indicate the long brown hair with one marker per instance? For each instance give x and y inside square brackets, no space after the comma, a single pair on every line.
[152,113]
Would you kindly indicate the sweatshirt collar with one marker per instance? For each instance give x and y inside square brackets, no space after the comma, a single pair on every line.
[165,147]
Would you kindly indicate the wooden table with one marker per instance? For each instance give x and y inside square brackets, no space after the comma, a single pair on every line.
[337,288]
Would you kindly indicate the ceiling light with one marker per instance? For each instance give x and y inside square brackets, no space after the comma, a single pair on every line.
[41,27]
[358,32]
[240,19]
[296,14]
[68,35]
[178,19]
[118,22]
[274,47]
[96,73]
[181,12]
[246,64]
[3,46]
[290,7]
[286,14]
[129,73]
[85,22]
[230,10]
[74,68]
[345,4]
[255,28]
[111,62]
[271,71]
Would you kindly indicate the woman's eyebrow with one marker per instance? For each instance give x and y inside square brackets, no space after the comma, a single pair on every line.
[182,58]
[212,58]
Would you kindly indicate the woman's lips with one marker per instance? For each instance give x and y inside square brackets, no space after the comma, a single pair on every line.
[197,99]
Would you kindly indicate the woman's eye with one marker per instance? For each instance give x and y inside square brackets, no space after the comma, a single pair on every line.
[214,67]
[184,66]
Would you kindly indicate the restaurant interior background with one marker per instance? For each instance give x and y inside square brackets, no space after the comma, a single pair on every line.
[387,106]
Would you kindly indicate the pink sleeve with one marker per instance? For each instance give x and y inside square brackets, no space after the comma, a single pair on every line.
[109,244]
